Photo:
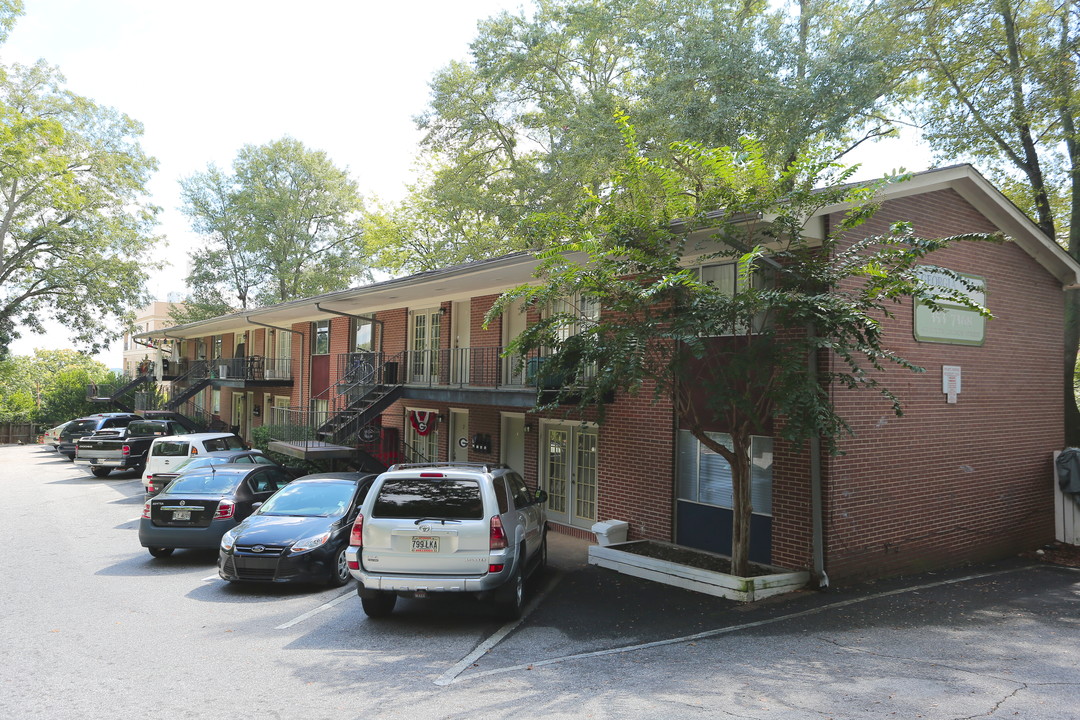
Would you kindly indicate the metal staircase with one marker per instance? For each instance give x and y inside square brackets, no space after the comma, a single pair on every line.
[188,385]
[114,394]
[366,388]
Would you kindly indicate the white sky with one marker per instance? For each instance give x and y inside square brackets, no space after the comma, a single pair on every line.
[206,77]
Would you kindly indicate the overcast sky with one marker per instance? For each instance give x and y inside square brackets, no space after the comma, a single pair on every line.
[206,77]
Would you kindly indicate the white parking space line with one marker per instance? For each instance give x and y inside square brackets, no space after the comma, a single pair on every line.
[450,675]
[310,613]
[710,633]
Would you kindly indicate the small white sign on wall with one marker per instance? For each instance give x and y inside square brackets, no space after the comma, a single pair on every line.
[950,382]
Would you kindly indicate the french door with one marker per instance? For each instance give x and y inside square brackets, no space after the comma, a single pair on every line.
[569,465]
[424,346]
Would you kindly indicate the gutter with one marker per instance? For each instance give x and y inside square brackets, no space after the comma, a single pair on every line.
[370,318]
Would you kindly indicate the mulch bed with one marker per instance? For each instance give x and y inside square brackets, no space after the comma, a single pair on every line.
[688,556]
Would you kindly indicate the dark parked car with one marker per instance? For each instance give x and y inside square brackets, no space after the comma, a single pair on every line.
[158,481]
[81,427]
[299,535]
[196,509]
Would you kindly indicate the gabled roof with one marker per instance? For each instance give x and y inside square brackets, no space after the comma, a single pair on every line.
[489,277]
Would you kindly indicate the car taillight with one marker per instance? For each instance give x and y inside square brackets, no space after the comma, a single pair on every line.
[224,510]
[496,538]
[146,510]
[125,451]
[356,537]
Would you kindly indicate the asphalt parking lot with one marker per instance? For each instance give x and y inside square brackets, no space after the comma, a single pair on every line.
[94,627]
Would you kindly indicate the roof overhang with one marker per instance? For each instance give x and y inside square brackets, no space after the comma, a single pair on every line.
[969,183]
[428,289]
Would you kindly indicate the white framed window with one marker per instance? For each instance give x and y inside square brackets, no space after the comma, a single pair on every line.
[321,341]
[704,476]
[725,278]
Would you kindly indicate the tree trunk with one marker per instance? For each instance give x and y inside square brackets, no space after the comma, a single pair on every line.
[742,506]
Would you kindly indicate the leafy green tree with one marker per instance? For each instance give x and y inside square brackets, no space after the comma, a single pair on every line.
[998,85]
[284,224]
[525,123]
[731,359]
[49,387]
[75,227]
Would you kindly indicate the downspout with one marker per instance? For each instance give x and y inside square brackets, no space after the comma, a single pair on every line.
[294,332]
[816,509]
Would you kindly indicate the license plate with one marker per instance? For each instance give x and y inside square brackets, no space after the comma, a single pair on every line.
[181,515]
[425,544]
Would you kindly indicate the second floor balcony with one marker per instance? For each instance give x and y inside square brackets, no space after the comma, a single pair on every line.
[255,368]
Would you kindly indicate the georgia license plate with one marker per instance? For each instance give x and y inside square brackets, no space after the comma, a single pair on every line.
[181,515]
[425,544]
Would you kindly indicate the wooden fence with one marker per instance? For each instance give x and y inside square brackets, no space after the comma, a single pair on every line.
[1066,513]
[11,433]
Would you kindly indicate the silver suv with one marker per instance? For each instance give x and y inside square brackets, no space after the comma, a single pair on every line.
[447,527]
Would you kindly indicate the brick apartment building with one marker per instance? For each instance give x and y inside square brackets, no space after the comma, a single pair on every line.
[405,370]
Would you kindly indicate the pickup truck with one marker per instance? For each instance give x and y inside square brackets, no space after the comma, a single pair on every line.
[123,448]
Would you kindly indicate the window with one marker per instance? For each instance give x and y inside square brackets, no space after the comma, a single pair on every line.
[724,277]
[216,347]
[363,335]
[215,402]
[321,340]
[705,476]
[585,313]
[424,497]
[501,496]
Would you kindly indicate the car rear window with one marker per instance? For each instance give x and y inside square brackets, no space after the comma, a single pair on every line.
[81,426]
[226,443]
[429,497]
[203,481]
[171,448]
[148,428]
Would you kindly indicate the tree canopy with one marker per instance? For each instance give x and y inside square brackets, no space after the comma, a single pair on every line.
[735,355]
[997,84]
[75,223]
[284,224]
[524,123]
[49,387]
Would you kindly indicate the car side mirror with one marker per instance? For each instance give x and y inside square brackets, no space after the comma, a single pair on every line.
[541,496]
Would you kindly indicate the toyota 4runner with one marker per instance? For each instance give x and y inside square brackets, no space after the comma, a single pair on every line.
[447,527]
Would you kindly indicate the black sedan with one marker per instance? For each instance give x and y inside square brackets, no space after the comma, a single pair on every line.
[197,508]
[298,535]
[157,482]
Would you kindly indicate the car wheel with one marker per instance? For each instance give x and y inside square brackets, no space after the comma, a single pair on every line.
[339,571]
[512,595]
[379,605]
[160,552]
[100,471]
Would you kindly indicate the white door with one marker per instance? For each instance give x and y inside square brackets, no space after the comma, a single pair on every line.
[513,324]
[421,435]
[459,436]
[512,442]
[461,322]
[568,457]
[424,346]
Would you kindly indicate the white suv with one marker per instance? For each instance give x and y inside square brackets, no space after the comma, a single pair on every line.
[447,527]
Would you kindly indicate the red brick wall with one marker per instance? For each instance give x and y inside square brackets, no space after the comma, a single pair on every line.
[946,483]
